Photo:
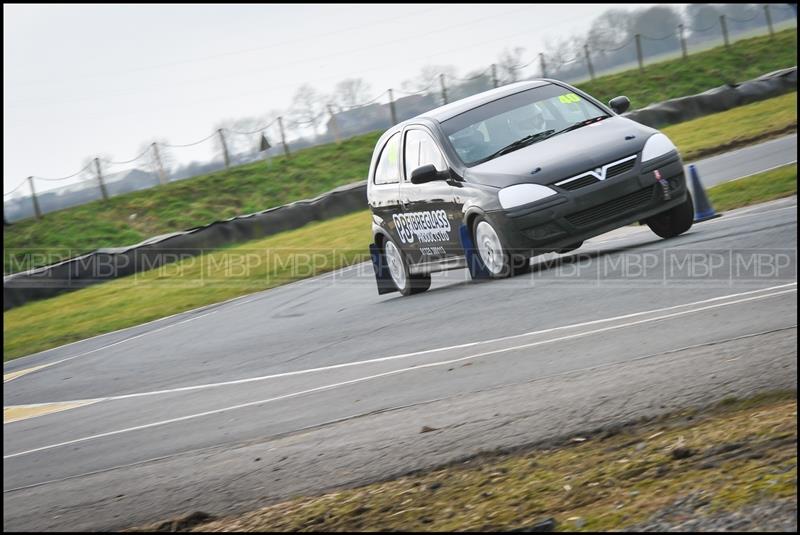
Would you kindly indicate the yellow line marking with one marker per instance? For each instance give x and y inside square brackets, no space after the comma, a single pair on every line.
[19,373]
[16,413]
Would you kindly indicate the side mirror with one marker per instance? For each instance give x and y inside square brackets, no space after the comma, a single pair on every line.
[619,104]
[426,173]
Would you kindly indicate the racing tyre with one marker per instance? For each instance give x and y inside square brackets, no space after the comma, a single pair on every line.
[674,221]
[491,251]
[405,283]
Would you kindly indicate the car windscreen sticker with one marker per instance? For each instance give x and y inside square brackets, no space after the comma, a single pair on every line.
[430,226]
[569,98]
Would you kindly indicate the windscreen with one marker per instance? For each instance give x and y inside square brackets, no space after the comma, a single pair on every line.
[479,133]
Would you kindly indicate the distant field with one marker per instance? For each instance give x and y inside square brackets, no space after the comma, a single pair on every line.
[130,218]
[270,262]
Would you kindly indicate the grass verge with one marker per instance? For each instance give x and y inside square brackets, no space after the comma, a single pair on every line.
[130,218]
[763,187]
[737,453]
[256,265]
[730,129]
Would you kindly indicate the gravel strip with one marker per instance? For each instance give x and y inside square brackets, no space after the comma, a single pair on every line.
[689,514]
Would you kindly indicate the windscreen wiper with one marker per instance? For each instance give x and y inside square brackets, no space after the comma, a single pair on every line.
[518,144]
[581,124]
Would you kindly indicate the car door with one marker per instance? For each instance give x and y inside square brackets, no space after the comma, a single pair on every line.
[385,189]
[430,213]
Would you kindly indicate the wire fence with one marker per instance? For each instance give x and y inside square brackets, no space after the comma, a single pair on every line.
[161,162]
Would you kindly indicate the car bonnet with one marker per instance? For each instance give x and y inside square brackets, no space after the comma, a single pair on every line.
[564,155]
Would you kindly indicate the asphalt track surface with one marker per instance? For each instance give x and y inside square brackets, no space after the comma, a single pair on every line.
[323,383]
[748,160]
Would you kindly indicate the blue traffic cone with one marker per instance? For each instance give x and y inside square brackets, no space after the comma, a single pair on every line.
[477,269]
[382,275]
[703,211]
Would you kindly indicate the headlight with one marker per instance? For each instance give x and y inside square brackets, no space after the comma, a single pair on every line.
[520,194]
[656,146]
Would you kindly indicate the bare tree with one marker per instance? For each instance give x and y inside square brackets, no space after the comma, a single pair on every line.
[743,16]
[660,25]
[308,107]
[351,92]
[472,83]
[701,16]
[562,52]
[509,63]
[609,31]
[428,79]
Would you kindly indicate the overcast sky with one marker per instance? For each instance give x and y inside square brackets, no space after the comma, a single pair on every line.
[82,80]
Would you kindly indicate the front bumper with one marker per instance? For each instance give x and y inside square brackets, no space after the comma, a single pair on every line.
[573,216]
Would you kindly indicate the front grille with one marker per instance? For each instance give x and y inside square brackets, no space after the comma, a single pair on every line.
[579,183]
[620,168]
[610,170]
[611,209]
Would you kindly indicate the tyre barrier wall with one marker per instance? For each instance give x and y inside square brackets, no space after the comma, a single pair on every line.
[110,263]
[715,100]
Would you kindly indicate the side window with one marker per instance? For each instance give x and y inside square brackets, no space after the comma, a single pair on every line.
[421,150]
[388,171]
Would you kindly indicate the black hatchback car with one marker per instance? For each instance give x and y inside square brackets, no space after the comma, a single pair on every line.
[491,180]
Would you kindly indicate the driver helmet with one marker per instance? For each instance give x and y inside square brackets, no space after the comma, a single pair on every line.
[527,120]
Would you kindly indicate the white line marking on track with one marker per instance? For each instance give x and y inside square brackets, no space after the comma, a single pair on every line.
[428,351]
[253,297]
[393,408]
[404,370]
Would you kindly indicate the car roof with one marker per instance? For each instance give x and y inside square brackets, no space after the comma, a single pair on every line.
[448,111]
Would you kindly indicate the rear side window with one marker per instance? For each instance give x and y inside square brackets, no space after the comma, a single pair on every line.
[388,169]
[421,149]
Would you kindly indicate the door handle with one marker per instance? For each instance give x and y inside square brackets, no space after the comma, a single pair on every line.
[404,203]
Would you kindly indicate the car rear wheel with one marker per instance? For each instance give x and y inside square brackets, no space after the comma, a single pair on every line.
[674,221]
[490,249]
[405,282]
